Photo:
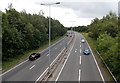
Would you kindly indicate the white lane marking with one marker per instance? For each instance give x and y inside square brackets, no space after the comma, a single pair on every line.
[14,67]
[79,75]
[48,67]
[75,50]
[27,59]
[47,54]
[32,66]
[41,75]
[52,45]
[80,46]
[57,57]
[80,60]
[64,63]
[80,50]
[96,63]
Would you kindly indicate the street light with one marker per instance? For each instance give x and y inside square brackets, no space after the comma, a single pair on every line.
[50,27]
[72,29]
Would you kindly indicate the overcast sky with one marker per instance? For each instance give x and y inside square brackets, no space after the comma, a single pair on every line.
[69,12]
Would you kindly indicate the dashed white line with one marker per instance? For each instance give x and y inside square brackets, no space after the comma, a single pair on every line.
[27,59]
[80,46]
[79,75]
[80,50]
[80,60]
[32,67]
[75,50]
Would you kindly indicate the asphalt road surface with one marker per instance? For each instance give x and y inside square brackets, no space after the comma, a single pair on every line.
[79,67]
[31,70]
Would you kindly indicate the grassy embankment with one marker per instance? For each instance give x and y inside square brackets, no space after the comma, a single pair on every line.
[104,70]
[9,64]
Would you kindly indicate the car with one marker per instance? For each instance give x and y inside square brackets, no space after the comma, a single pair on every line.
[86,51]
[34,56]
[83,40]
[70,35]
[66,35]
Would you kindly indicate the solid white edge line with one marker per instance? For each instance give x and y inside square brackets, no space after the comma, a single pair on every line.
[96,64]
[27,59]
[64,63]
[48,67]
[41,75]
[57,57]
[80,60]
[14,67]
[32,66]
[47,54]
[79,75]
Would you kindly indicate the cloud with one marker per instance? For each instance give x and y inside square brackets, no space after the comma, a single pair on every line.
[81,11]
[91,9]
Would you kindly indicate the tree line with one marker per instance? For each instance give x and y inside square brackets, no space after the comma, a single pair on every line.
[106,32]
[23,31]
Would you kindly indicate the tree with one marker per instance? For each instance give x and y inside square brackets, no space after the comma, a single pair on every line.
[104,42]
[23,32]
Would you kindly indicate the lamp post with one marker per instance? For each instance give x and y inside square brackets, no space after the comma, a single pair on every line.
[72,29]
[50,27]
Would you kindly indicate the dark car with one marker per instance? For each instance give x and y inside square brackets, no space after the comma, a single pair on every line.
[66,35]
[34,56]
[86,51]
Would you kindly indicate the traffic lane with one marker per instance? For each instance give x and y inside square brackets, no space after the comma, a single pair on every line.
[89,69]
[35,71]
[71,68]
[60,43]
[27,74]
[20,68]
[24,73]
[46,51]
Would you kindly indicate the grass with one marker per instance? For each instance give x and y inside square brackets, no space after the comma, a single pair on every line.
[11,63]
[104,70]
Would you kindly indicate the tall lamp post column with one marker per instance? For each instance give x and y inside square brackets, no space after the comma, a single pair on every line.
[72,29]
[50,28]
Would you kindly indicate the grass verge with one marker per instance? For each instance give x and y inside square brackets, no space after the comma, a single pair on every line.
[11,63]
[107,76]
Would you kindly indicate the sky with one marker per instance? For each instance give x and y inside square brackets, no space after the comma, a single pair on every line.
[68,12]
